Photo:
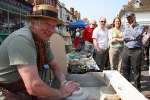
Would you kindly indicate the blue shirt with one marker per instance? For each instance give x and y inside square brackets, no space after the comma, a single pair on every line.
[133,36]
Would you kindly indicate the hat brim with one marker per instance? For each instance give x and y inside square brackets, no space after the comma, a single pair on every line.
[41,17]
[128,16]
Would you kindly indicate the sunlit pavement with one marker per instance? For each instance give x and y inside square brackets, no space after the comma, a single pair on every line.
[145,83]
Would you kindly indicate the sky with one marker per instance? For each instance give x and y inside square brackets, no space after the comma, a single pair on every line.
[93,9]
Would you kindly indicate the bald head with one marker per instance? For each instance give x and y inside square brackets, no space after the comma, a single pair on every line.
[102,18]
[92,21]
[102,22]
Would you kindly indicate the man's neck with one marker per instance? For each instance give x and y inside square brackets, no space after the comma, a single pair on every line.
[36,37]
[102,28]
[133,24]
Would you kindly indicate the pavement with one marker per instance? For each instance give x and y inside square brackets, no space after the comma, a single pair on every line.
[145,83]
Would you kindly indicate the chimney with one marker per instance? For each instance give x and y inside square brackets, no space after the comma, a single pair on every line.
[129,1]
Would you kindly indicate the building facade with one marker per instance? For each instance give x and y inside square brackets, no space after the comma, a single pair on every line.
[12,14]
[141,8]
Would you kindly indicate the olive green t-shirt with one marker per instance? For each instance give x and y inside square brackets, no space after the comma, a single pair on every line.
[114,33]
[18,48]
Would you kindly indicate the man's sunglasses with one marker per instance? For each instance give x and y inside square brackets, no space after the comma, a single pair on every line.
[103,21]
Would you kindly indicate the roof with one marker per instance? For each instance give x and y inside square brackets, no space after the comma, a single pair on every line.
[144,6]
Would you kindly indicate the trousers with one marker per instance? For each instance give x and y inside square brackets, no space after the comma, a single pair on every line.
[131,65]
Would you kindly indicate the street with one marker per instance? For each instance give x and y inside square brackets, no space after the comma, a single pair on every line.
[145,82]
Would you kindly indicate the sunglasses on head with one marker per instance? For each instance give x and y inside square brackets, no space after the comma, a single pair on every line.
[93,24]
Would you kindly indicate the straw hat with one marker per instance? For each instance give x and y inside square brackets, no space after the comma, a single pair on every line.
[46,11]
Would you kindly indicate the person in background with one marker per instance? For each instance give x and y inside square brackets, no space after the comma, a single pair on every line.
[132,52]
[146,44]
[23,55]
[77,38]
[116,44]
[87,36]
[100,41]
[68,45]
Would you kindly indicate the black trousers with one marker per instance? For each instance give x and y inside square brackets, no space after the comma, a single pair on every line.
[131,63]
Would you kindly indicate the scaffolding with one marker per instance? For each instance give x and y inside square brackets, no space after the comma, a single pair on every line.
[49,2]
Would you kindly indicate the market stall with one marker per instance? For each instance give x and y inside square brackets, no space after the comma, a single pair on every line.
[77,24]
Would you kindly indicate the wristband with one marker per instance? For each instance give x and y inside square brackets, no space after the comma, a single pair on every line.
[64,82]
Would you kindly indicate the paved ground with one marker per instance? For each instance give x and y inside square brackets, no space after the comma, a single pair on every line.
[145,82]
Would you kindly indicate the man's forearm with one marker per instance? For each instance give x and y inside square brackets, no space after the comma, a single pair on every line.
[120,39]
[58,72]
[60,76]
[95,44]
[43,90]
[129,39]
[33,83]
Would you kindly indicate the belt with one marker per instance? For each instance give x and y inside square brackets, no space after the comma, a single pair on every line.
[17,87]
[13,86]
[135,48]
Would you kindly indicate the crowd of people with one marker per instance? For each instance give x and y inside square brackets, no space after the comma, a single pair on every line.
[124,45]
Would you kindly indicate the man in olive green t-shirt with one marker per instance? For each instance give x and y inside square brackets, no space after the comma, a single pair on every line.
[19,60]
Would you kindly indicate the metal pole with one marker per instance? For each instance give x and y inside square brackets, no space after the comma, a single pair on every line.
[149,60]
[8,21]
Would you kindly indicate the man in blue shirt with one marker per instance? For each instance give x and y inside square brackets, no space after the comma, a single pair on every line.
[132,53]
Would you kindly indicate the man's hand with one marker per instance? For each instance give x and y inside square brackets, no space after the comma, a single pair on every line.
[68,88]
[129,39]
[98,49]
[148,35]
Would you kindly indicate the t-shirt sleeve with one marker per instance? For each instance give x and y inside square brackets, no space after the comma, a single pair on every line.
[49,54]
[109,36]
[94,35]
[21,51]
